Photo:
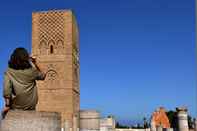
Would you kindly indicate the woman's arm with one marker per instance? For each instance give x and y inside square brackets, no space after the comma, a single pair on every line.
[33,60]
[40,74]
[7,105]
[7,93]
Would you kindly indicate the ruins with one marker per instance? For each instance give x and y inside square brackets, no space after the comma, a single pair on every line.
[159,118]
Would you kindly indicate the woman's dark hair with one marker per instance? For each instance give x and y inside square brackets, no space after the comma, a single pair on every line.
[19,59]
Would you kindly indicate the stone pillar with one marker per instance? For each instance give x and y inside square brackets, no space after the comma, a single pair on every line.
[195,123]
[89,120]
[182,119]
[164,129]
[159,128]
[67,126]
[107,124]
[153,127]
[31,121]
[167,129]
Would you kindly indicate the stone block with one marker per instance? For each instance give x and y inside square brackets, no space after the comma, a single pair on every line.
[31,121]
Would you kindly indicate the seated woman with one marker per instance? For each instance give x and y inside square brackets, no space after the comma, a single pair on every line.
[20,91]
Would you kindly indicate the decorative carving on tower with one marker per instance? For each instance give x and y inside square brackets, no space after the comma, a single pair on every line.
[43,47]
[51,73]
[51,34]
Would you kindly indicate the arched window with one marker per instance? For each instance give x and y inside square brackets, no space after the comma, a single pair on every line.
[51,49]
[42,47]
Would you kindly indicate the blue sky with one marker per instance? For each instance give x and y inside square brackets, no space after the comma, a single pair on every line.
[135,55]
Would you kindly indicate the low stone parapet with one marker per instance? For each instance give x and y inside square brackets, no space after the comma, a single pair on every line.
[31,121]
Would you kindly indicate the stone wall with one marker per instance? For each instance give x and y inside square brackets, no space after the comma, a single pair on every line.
[31,121]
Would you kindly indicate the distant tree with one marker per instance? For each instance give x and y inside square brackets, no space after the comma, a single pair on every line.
[118,125]
[146,125]
[172,116]
[190,122]
[110,116]
[139,126]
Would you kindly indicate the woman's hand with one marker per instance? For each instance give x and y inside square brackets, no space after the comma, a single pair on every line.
[5,111]
[33,59]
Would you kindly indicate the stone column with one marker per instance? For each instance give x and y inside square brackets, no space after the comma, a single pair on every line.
[182,119]
[153,127]
[168,129]
[195,123]
[159,128]
[89,120]
[66,125]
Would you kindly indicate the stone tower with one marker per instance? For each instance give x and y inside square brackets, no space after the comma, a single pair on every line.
[55,45]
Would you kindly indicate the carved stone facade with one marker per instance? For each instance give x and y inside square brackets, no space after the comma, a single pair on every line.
[51,34]
[55,45]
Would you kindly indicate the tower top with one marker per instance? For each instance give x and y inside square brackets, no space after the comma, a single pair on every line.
[53,11]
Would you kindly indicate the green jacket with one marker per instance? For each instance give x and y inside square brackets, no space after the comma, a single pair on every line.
[20,87]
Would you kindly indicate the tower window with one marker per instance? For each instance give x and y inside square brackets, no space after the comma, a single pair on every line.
[51,49]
